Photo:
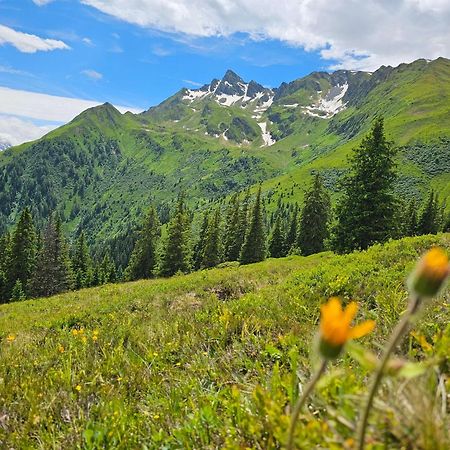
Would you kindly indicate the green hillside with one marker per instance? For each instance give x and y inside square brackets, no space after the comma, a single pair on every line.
[103,169]
[210,360]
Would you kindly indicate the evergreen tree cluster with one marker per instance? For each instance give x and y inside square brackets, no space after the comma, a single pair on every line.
[36,264]
[42,264]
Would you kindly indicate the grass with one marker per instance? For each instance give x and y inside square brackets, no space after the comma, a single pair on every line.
[210,360]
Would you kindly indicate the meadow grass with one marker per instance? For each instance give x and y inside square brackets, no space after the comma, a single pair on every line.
[213,359]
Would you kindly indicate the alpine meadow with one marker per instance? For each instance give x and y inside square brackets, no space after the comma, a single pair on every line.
[233,264]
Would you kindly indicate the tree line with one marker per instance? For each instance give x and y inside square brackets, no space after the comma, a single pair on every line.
[39,264]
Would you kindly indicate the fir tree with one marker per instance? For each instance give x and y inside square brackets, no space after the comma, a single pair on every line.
[366,212]
[53,273]
[291,235]
[22,253]
[82,263]
[277,240]
[143,260]
[17,293]
[176,255]
[212,250]
[254,248]
[199,249]
[429,220]
[314,219]
[233,235]
[411,221]
[107,272]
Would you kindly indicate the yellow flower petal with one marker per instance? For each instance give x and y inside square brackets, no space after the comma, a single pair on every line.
[362,329]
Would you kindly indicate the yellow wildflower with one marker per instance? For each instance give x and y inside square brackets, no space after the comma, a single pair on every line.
[61,348]
[75,332]
[78,387]
[430,273]
[11,337]
[336,329]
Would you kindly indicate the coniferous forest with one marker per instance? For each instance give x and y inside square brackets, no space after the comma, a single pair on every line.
[43,262]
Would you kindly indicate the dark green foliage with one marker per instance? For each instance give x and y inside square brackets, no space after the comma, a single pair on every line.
[430,216]
[199,249]
[366,212]
[233,237]
[254,248]
[411,220]
[17,293]
[143,259]
[432,157]
[176,255]
[314,219]
[22,253]
[107,272]
[277,241]
[52,274]
[82,264]
[212,250]
[291,235]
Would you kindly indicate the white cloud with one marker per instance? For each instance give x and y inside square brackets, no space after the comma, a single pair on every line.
[87,41]
[29,43]
[193,83]
[94,75]
[355,33]
[16,130]
[28,115]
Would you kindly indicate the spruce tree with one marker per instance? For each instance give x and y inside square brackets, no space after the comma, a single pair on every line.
[291,235]
[176,254]
[366,212]
[53,273]
[430,216]
[82,263]
[18,293]
[254,247]
[314,219]
[212,250]
[107,272]
[199,248]
[411,220]
[22,253]
[277,240]
[235,224]
[143,260]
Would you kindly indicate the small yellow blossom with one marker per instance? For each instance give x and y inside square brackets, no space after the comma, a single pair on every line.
[156,416]
[155,354]
[11,337]
[84,339]
[78,387]
[430,273]
[95,338]
[75,332]
[336,329]
[61,348]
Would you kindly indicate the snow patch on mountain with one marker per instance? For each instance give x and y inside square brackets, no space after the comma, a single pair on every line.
[330,105]
[266,136]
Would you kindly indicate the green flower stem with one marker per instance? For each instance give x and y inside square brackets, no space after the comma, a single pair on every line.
[301,401]
[396,335]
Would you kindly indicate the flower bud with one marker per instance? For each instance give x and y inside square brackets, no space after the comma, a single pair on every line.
[430,274]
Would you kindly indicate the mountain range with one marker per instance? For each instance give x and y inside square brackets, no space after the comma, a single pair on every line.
[104,168]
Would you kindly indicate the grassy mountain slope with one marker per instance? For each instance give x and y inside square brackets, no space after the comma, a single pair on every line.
[210,359]
[103,169]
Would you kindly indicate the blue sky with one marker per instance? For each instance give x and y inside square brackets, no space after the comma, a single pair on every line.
[136,53]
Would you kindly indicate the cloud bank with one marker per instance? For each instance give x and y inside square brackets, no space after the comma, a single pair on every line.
[29,43]
[352,33]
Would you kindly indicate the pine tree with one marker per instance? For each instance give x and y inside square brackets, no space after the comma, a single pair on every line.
[176,255]
[17,293]
[366,212]
[411,221]
[143,260]
[22,253]
[277,241]
[212,250]
[254,248]
[233,235]
[291,235]
[429,220]
[82,263]
[107,272]
[199,248]
[314,219]
[53,273]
